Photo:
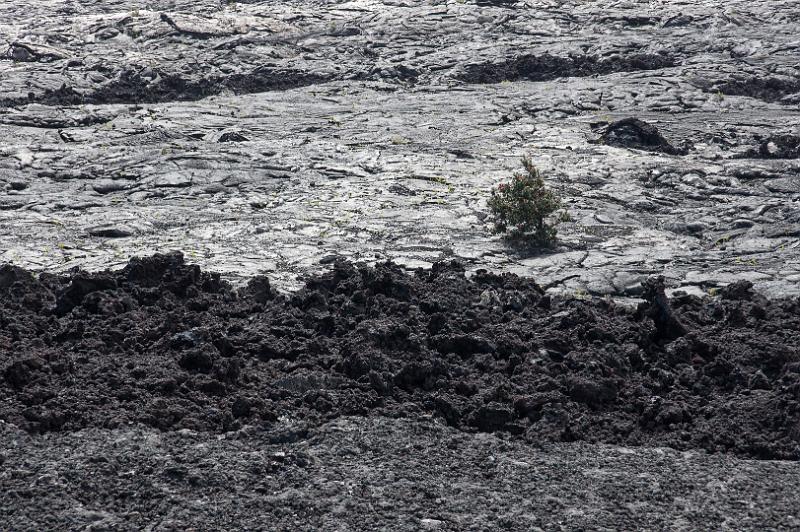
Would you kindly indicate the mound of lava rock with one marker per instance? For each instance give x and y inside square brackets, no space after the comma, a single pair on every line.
[164,344]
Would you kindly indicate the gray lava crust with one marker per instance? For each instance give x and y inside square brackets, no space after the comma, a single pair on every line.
[270,136]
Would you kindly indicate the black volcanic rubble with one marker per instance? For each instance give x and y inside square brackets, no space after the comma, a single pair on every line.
[165,344]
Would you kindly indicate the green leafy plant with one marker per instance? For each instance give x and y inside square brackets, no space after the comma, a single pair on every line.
[523,208]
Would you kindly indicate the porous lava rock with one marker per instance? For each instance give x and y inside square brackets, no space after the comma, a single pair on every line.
[164,344]
[637,134]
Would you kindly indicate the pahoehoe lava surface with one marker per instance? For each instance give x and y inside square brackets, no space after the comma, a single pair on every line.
[163,344]
[373,130]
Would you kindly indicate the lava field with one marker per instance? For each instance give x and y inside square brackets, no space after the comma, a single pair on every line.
[163,344]
[160,344]
[248,279]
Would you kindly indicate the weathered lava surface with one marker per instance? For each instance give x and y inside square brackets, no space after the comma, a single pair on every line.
[267,136]
[164,344]
[377,473]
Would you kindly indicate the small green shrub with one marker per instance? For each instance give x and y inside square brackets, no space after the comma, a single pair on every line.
[524,207]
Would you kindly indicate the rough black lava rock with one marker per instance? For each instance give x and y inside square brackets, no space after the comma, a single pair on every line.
[778,147]
[164,344]
[635,133]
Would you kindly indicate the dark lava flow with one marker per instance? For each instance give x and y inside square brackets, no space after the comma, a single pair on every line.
[164,344]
